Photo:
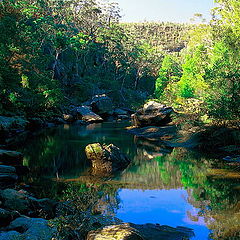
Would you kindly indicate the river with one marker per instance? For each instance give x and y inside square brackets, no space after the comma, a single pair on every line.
[174,187]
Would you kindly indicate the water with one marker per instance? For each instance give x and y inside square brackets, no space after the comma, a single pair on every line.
[173,187]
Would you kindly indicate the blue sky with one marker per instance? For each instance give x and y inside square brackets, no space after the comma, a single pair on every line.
[163,10]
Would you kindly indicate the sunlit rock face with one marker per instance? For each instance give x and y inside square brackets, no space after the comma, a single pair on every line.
[152,114]
[105,159]
[118,232]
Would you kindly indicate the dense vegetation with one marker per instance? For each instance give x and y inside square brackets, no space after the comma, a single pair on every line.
[205,77]
[61,52]
[56,53]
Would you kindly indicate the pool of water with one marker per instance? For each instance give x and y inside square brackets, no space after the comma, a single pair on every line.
[173,187]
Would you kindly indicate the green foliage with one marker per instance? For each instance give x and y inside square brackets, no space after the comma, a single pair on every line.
[169,73]
[210,67]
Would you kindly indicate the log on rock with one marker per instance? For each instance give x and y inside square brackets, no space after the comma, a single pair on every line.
[152,114]
[106,158]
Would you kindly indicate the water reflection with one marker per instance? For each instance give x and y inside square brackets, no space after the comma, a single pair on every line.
[162,185]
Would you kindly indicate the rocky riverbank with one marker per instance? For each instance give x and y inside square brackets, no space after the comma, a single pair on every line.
[98,109]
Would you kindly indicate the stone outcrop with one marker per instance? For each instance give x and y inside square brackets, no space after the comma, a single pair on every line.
[106,158]
[152,114]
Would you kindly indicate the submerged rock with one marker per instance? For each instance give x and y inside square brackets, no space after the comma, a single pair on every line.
[152,114]
[84,113]
[163,232]
[117,232]
[155,133]
[106,158]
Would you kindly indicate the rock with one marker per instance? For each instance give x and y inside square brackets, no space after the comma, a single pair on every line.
[12,123]
[119,111]
[7,169]
[102,105]
[57,120]
[29,229]
[10,157]
[68,118]
[152,114]
[11,235]
[7,216]
[22,202]
[8,176]
[46,207]
[84,113]
[117,232]
[106,158]
[15,200]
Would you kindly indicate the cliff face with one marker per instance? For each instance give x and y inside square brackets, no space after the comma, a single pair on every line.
[170,37]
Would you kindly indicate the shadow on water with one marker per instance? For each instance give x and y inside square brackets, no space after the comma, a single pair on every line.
[174,187]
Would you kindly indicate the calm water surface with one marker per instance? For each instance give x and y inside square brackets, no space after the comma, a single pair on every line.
[172,187]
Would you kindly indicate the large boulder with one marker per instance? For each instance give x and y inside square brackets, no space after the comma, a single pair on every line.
[117,232]
[152,114]
[106,158]
[28,229]
[86,114]
[102,105]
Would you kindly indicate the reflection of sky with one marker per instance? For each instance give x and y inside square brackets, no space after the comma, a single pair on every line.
[166,207]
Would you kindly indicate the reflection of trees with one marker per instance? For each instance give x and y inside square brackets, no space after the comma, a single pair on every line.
[97,198]
[60,151]
[217,197]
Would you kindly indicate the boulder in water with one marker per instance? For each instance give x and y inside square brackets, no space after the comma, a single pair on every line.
[106,158]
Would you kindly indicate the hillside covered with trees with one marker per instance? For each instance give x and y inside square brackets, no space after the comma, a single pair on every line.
[56,53]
